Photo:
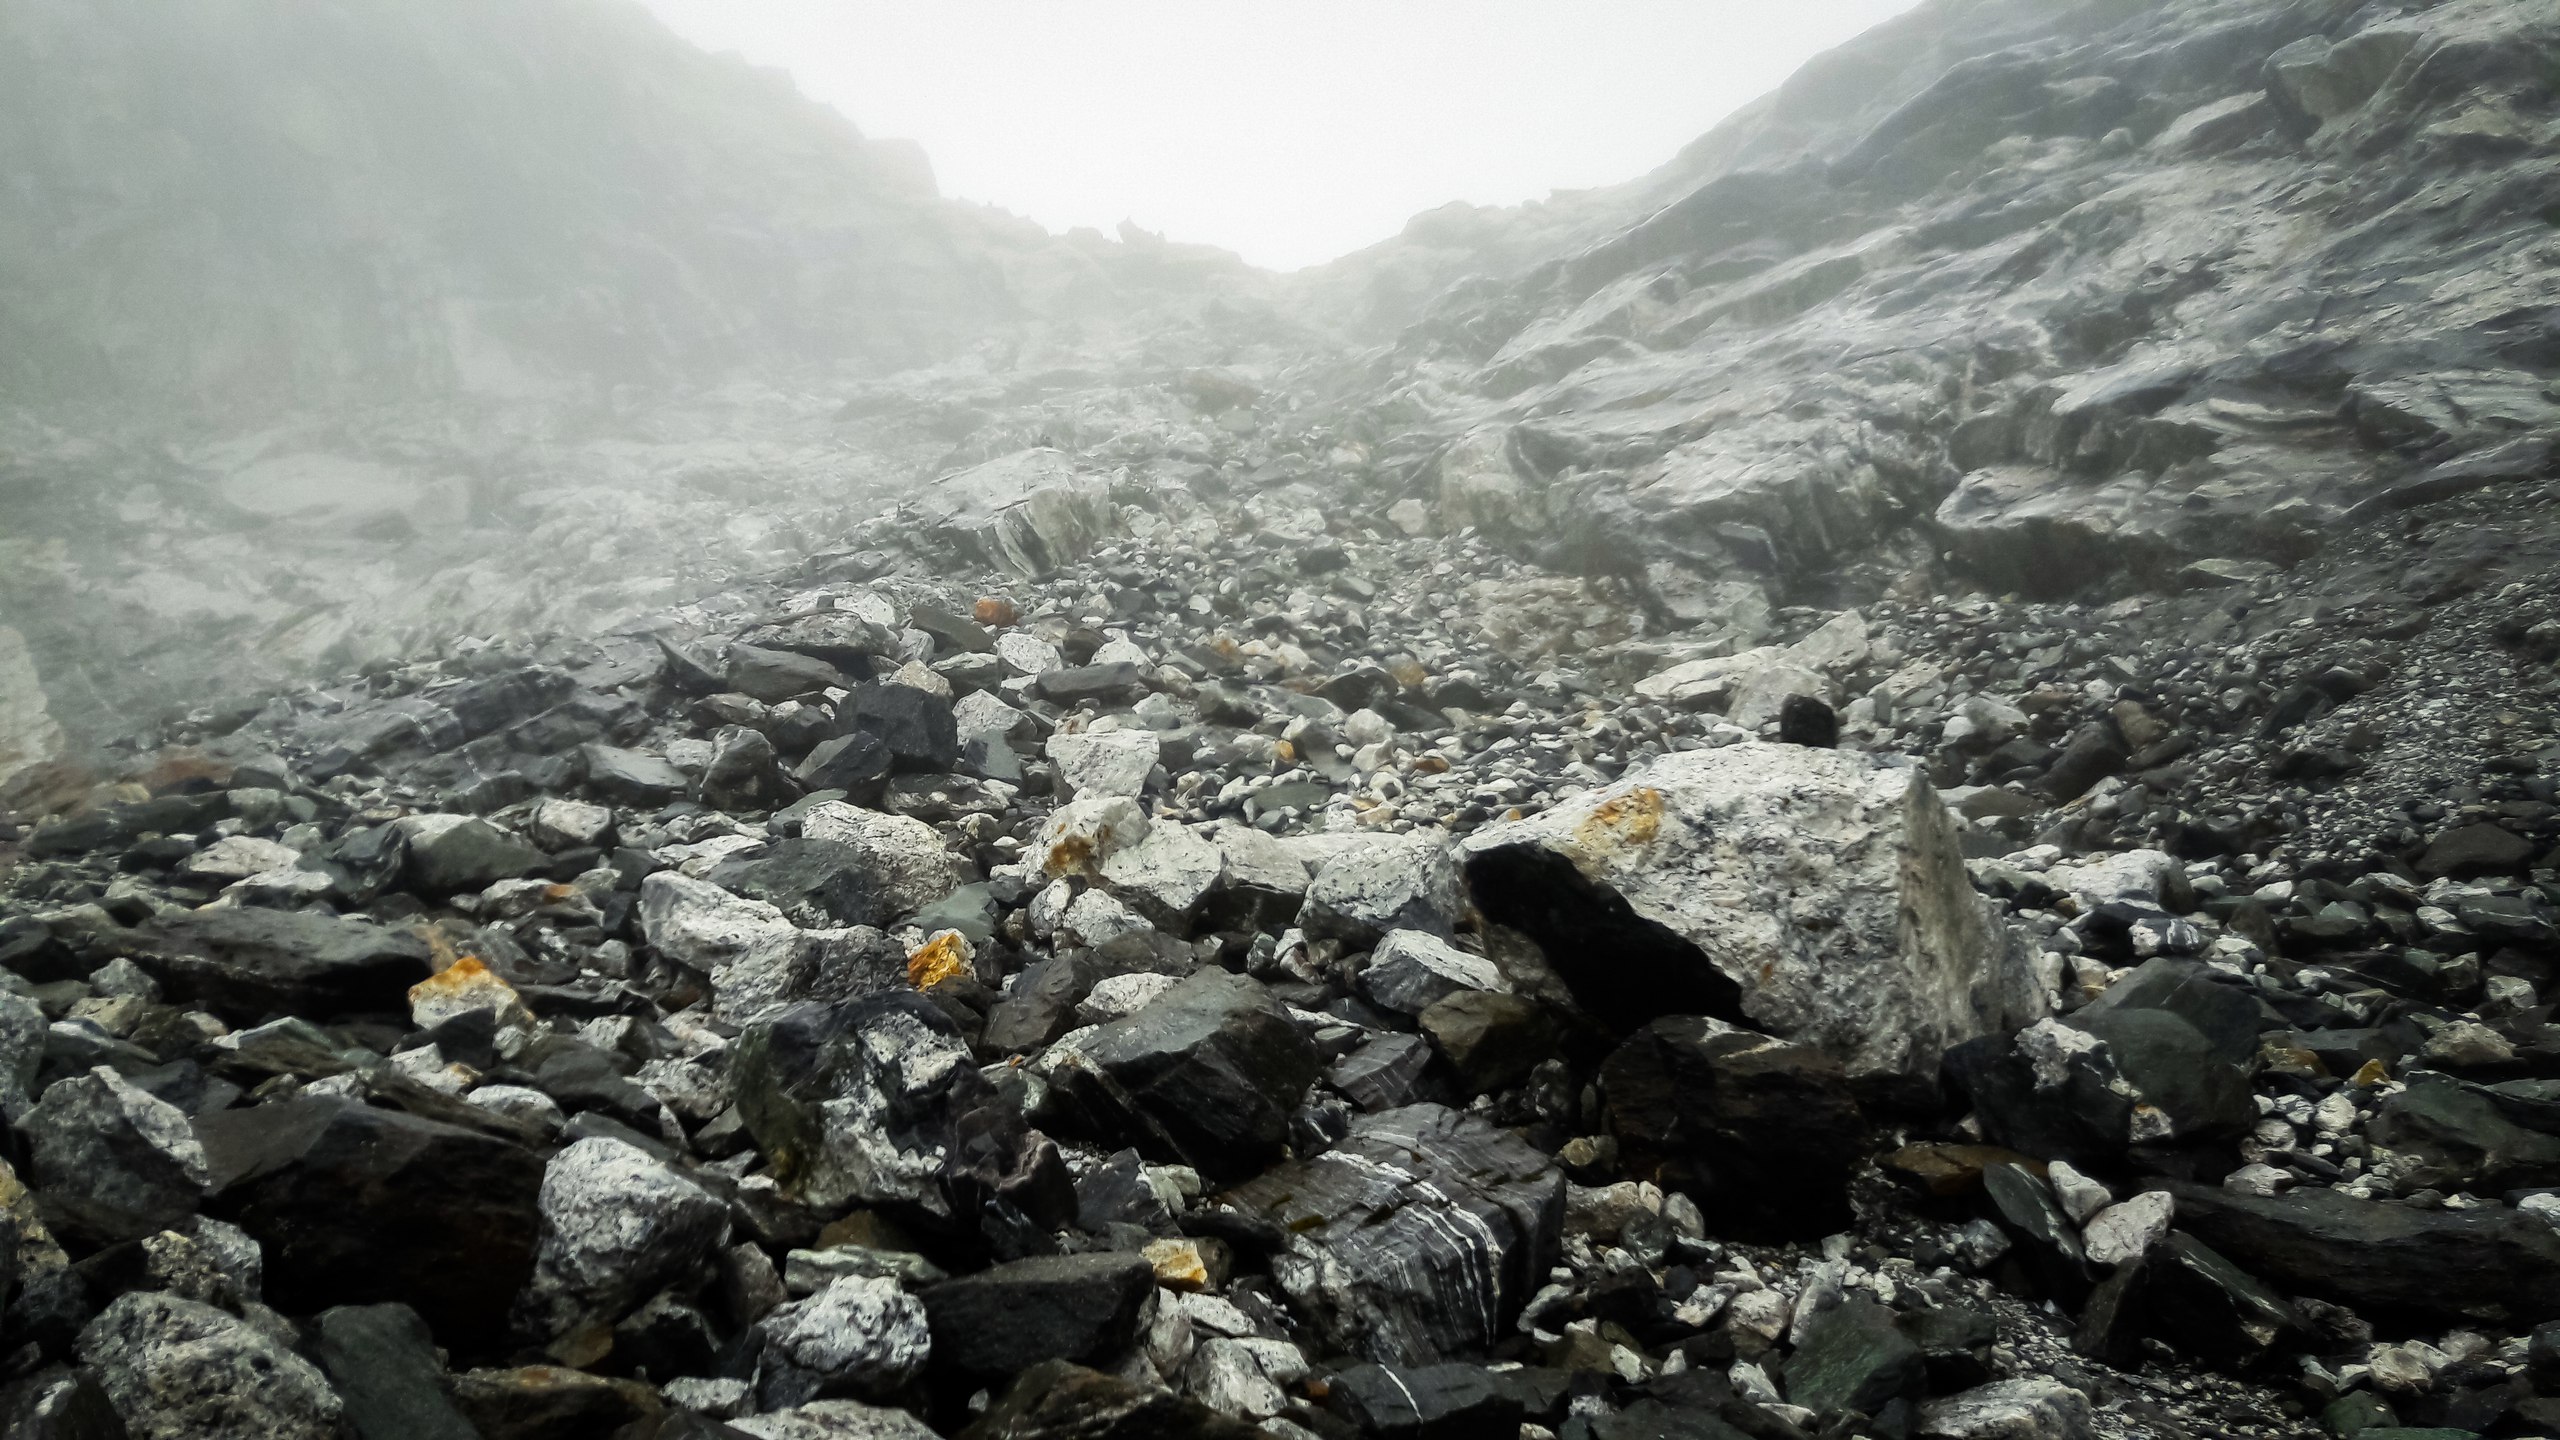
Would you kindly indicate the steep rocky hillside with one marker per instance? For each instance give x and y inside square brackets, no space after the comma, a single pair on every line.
[2044,298]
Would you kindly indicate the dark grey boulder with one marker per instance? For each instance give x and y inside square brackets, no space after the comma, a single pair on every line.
[382,1361]
[2382,1258]
[1762,1133]
[1006,1319]
[915,727]
[1206,1074]
[246,964]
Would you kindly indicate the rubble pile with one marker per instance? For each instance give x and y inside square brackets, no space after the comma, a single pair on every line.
[1276,973]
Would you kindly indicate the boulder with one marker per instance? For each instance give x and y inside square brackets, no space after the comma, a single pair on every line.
[2384,1259]
[1854,1357]
[247,964]
[356,1205]
[112,1161]
[774,676]
[382,1361]
[632,777]
[1382,883]
[745,772]
[617,1224]
[1417,1237]
[179,1370]
[1763,1134]
[2449,1137]
[1424,1402]
[1817,895]
[856,1100]
[813,883]
[860,1336]
[1004,1320]
[1104,763]
[1490,1038]
[1206,1075]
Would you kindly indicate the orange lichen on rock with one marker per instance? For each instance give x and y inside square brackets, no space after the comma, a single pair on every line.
[944,957]
[992,610]
[462,987]
[1623,821]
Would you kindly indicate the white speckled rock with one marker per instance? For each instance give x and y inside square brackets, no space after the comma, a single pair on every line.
[860,1336]
[119,1162]
[1381,883]
[2030,1407]
[2119,1233]
[903,854]
[1817,893]
[696,923]
[1410,970]
[616,1224]
[179,1370]
[1110,762]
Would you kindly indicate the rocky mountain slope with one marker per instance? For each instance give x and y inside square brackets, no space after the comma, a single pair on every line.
[1541,866]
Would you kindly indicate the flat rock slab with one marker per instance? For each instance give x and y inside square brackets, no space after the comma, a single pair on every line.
[248,963]
[2380,1257]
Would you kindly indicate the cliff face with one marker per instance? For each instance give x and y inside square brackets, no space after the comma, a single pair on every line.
[2038,297]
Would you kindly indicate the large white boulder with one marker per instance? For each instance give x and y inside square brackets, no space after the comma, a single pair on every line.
[1818,895]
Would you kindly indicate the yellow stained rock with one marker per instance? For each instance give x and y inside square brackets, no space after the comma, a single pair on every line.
[944,957]
[2370,1075]
[1179,1265]
[462,987]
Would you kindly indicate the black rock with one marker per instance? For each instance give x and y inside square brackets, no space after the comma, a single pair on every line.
[818,884]
[1425,1402]
[1116,1193]
[246,964]
[1057,1400]
[774,676]
[745,772]
[381,1360]
[1116,680]
[1762,1133]
[952,632]
[59,1404]
[1854,1357]
[632,777]
[2186,1294]
[1805,720]
[1002,1321]
[1206,1075]
[913,726]
[354,1206]
[856,764]
[2469,851]
[2027,1209]
[1038,1008]
[2092,754]
[2384,1259]
[1385,1072]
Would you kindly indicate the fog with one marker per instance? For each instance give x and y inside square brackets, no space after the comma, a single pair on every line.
[1290,133]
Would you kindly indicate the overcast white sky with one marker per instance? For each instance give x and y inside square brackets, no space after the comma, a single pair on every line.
[1291,131]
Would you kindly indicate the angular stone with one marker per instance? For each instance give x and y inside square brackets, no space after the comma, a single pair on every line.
[246,964]
[113,1162]
[2451,1138]
[1207,1076]
[1761,1133]
[860,1337]
[1167,876]
[2384,1260]
[1386,882]
[179,1370]
[541,1402]
[382,1361]
[1424,1402]
[616,1225]
[563,824]
[1816,893]
[744,772]
[697,924]
[2468,851]
[1417,1237]
[1410,970]
[633,777]
[1004,1320]
[855,763]
[354,1205]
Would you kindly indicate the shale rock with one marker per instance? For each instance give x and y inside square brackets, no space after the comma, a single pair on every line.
[179,1370]
[1007,1319]
[1416,1237]
[1206,1074]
